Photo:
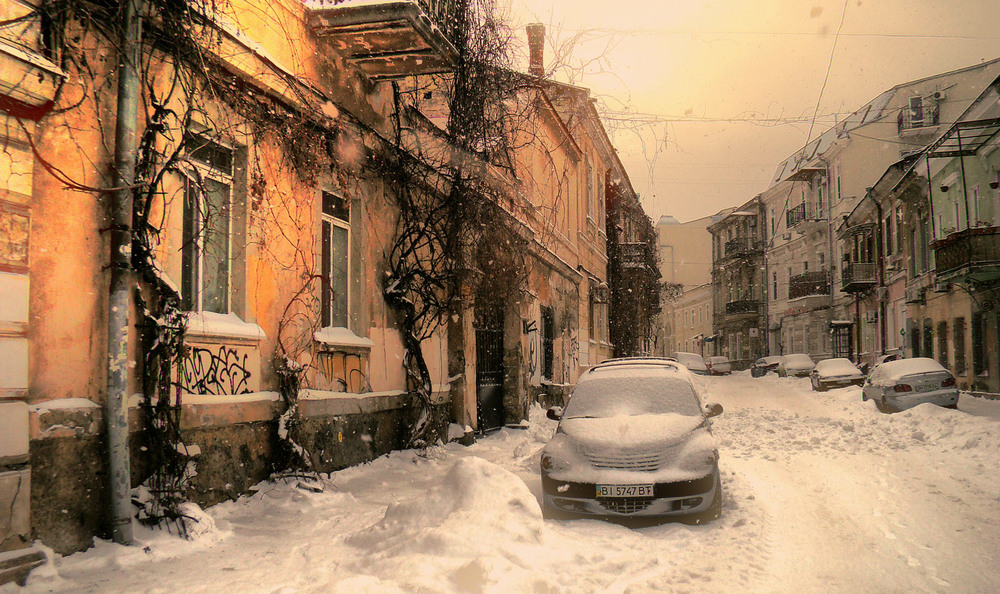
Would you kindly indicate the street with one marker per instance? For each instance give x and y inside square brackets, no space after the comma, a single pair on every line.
[823,494]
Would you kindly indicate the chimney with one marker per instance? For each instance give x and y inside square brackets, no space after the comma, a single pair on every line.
[536,49]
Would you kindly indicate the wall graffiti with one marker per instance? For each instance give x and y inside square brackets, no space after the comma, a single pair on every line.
[216,371]
[345,369]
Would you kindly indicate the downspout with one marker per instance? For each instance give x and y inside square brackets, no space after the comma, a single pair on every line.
[116,400]
[879,256]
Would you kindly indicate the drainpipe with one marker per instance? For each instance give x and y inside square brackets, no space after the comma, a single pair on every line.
[116,401]
[879,256]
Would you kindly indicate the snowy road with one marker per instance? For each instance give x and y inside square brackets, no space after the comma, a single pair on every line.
[824,494]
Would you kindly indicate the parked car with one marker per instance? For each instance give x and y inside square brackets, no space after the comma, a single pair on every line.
[764,365]
[718,366]
[905,383]
[797,364]
[693,362]
[634,441]
[835,373]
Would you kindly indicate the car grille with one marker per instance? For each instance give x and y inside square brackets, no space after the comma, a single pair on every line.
[626,505]
[644,461]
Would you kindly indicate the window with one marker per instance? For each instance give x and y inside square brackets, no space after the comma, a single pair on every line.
[974,206]
[942,333]
[206,250]
[335,260]
[591,188]
[928,350]
[959,332]
[916,112]
[888,234]
[978,343]
[548,341]
[898,222]
[774,281]
[915,342]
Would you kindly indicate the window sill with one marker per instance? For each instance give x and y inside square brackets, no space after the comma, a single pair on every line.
[342,337]
[205,324]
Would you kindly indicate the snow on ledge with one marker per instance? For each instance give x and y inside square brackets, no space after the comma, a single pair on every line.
[200,399]
[342,337]
[329,395]
[206,323]
[63,404]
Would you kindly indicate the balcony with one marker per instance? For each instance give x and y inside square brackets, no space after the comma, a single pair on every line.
[858,277]
[742,247]
[749,308]
[804,215]
[632,255]
[390,39]
[968,255]
[809,284]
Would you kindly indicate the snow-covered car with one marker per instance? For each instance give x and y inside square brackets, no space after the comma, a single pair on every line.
[634,441]
[692,361]
[718,366]
[835,373]
[905,383]
[764,365]
[797,365]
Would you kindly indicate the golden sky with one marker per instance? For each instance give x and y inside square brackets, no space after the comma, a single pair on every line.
[704,98]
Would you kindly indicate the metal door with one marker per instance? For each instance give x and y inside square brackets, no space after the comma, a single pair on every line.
[489,368]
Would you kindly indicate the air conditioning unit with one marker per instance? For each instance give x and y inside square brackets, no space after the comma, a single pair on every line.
[871,317]
[786,236]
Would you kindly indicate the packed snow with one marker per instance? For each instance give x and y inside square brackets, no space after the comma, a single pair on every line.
[823,494]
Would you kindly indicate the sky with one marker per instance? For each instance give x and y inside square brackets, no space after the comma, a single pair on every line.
[703,99]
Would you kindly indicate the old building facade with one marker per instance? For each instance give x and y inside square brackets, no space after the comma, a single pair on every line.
[276,196]
[739,284]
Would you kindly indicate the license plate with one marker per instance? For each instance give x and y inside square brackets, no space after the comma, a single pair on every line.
[624,490]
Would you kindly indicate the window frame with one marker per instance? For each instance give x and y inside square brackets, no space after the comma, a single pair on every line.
[327,292]
[192,289]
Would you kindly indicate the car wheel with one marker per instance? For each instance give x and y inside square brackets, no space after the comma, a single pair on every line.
[712,513]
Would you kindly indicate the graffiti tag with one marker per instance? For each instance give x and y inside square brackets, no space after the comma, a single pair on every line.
[223,371]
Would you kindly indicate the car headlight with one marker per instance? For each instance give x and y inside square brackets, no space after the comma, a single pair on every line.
[546,462]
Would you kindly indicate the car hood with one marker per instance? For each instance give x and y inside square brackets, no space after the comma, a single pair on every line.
[632,449]
[632,431]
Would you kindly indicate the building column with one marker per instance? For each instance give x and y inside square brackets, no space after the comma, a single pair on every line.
[18,555]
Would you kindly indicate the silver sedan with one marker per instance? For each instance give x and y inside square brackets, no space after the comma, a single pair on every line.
[905,383]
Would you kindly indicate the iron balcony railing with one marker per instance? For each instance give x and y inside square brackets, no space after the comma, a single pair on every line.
[632,255]
[743,306]
[973,251]
[858,276]
[742,246]
[795,215]
[809,284]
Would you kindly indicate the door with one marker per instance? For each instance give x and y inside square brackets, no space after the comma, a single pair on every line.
[489,368]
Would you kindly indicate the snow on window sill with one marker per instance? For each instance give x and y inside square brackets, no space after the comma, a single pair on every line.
[215,325]
[342,337]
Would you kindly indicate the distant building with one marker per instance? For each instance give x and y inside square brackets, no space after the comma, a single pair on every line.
[685,251]
[692,322]
[738,283]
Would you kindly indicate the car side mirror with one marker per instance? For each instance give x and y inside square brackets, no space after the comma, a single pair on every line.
[555,413]
[713,409]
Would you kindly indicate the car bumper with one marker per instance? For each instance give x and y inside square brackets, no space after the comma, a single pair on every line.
[841,382]
[669,499]
[938,397]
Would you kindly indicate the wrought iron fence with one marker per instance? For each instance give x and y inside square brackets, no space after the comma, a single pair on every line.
[809,283]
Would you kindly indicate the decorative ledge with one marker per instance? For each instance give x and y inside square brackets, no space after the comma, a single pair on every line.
[342,337]
[210,325]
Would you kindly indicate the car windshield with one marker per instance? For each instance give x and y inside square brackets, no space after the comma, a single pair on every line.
[614,394]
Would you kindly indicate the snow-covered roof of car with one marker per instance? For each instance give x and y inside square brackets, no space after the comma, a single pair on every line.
[797,358]
[900,368]
[837,367]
